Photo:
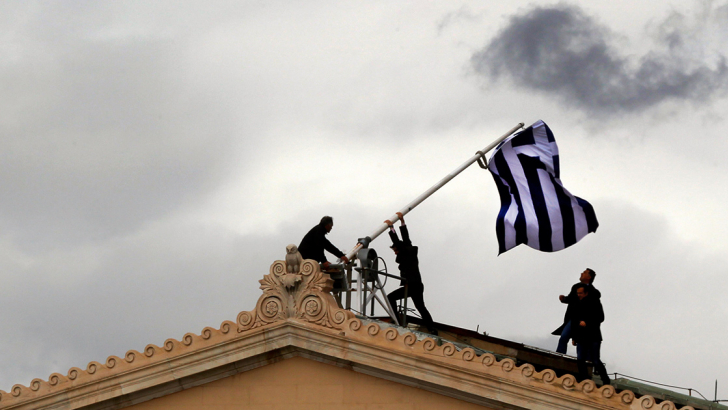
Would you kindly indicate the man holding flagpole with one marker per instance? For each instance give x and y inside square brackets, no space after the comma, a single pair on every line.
[409,269]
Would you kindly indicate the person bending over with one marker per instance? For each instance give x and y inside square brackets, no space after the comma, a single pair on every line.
[314,243]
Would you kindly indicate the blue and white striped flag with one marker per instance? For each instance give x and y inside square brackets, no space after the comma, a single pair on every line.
[535,208]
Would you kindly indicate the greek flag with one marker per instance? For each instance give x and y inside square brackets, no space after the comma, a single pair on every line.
[535,207]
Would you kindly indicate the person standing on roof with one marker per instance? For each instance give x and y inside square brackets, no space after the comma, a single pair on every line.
[314,243]
[587,318]
[409,270]
[564,331]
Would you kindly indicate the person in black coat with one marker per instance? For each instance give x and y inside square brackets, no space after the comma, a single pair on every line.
[587,317]
[314,243]
[409,270]
[564,331]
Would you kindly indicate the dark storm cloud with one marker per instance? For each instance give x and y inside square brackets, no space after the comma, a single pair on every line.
[101,129]
[561,51]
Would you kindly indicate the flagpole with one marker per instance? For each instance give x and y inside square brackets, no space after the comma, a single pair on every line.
[430,191]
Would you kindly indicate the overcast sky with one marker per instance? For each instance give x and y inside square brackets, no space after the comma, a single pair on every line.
[157,157]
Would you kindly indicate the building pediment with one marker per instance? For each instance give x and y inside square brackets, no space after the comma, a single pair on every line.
[296,316]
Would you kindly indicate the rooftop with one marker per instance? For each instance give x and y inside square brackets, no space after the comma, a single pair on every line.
[296,316]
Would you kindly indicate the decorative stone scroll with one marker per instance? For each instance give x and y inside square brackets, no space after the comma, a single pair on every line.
[297,289]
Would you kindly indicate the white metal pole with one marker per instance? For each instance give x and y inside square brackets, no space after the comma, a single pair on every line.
[434,188]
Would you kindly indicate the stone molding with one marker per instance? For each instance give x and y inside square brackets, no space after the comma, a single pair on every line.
[297,312]
[298,291]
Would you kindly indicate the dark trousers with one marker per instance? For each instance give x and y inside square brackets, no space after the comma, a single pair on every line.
[590,351]
[416,293]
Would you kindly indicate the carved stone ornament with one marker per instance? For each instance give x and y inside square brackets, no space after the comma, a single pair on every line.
[295,289]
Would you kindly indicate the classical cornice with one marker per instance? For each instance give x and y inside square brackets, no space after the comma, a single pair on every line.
[296,316]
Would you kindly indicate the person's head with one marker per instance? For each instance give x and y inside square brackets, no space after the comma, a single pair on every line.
[587,276]
[582,291]
[327,222]
[395,249]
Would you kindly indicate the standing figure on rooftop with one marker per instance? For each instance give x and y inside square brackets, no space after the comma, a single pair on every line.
[587,318]
[565,330]
[314,243]
[409,270]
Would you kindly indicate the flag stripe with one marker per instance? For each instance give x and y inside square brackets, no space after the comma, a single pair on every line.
[505,197]
[531,168]
[591,217]
[568,235]
[525,221]
[526,138]
[517,234]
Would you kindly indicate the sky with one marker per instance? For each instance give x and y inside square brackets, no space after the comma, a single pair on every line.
[157,158]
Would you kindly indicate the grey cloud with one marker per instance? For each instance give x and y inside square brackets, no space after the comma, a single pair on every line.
[464,13]
[561,51]
[165,280]
[142,290]
[101,132]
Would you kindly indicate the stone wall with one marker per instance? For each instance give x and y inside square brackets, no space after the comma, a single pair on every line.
[302,384]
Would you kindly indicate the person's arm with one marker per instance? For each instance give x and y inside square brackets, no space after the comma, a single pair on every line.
[405,235]
[587,318]
[599,315]
[570,298]
[594,314]
[403,229]
[334,250]
[392,233]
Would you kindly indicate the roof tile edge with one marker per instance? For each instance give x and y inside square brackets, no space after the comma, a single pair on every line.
[506,368]
[115,365]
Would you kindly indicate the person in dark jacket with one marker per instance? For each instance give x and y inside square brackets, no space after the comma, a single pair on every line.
[314,243]
[409,270]
[564,331]
[587,317]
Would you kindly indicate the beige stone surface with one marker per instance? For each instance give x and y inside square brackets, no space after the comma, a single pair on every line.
[300,383]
